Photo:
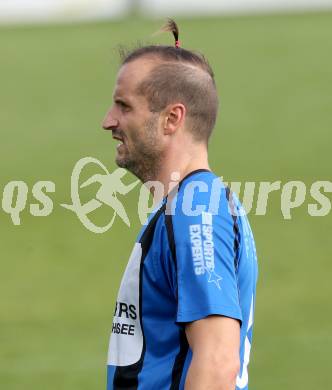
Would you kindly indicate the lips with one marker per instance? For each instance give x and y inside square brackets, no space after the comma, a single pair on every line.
[117,138]
[121,146]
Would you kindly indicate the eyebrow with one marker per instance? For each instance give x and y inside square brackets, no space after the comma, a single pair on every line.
[120,99]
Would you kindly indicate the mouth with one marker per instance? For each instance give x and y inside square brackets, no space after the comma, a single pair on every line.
[118,138]
[121,144]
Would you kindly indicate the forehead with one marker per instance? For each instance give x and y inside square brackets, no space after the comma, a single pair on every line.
[130,75]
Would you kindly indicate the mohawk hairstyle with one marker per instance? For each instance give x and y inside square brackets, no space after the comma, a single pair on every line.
[179,76]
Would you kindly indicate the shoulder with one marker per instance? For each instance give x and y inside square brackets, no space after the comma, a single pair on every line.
[202,195]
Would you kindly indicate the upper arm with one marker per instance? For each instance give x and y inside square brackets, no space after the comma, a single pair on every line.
[214,335]
[215,343]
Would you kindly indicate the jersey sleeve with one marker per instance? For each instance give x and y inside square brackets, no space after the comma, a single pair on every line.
[205,248]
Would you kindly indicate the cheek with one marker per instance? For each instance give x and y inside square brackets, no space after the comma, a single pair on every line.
[133,131]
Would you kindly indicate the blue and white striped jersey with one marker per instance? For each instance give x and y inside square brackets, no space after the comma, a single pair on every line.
[196,257]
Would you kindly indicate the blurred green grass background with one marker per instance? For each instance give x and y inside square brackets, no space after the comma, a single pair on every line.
[58,281]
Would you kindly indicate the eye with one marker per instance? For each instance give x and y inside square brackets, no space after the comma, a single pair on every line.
[123,106]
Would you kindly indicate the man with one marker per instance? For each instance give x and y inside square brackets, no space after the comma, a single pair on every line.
[184,312]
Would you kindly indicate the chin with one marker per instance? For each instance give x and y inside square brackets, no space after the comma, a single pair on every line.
[120,160]
[123,162]
[131,166]
[120,163]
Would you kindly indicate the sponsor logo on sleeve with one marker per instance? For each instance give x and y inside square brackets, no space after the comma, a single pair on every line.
[202,249]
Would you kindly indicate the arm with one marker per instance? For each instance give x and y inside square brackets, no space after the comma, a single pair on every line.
[215,343]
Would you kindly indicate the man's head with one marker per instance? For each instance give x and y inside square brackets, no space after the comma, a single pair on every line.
[160,90]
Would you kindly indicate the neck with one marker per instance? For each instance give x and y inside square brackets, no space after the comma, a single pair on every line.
[177,163]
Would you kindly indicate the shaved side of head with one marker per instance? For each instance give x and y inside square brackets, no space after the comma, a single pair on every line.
[179,76]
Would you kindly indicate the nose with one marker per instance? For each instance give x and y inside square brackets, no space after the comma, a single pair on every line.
[110,123]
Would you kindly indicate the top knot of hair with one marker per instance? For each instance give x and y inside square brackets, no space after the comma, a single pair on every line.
[172,27]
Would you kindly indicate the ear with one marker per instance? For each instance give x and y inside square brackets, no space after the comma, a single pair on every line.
[174,118]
